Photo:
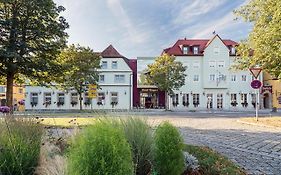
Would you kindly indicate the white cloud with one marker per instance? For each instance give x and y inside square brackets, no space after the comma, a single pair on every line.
[190,10]
[136,36]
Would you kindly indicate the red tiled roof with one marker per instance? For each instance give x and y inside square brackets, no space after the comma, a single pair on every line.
[111,52]
[176,49]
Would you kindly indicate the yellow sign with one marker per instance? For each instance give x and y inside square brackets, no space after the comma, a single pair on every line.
[92,93]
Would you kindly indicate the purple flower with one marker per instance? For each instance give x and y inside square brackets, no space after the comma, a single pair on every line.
[4,109]
[21,102]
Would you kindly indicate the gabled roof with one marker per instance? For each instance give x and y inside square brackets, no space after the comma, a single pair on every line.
[111,52]
[176,49]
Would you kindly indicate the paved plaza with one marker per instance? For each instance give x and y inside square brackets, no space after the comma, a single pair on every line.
[256,149]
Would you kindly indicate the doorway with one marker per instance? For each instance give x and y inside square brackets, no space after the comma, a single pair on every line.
[266,101]
[219,101]
[209,101]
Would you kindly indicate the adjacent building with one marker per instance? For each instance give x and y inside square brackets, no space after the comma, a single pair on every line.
[115,88]
[211,83]
[18,96]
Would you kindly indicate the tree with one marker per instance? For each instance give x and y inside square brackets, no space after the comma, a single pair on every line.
[32,35]
[167,74]
[80,66]
[264,40]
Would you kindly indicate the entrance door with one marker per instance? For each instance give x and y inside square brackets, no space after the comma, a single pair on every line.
[209,101]
[266,101]
[219,101]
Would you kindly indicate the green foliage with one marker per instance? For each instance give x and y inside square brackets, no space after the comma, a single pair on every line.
[80,66]
[169,158]
[139,135]
[100,149]
[211,162]
[20,142]
[32,35]
[166,73]
[264,39]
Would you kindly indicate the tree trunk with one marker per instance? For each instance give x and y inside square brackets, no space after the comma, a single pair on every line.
[166,101]
[9,92]
[80,100]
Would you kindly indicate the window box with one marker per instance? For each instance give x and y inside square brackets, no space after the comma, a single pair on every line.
[73,103]
[47,103]
[185,104]
[234,103]
[60,104]
[33,104]
[254,104]
[99,103]
[196,104]
[175,104]
[87,103]
[245,104]
[113,104]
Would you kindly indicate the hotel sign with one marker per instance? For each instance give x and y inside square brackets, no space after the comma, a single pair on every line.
[266,88]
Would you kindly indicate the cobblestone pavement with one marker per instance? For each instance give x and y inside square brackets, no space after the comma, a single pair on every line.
[256,149]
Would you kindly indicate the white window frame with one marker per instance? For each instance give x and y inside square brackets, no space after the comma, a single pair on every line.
[220,64]
[233,77]
[101,98]
[47,98]
[195,100]
[244,78]
[196,78]
[114,98]
[195,50]
[34,98]
[114,65]
[101,78]
[185,50]
[104,64]
[119,78]
[212,77]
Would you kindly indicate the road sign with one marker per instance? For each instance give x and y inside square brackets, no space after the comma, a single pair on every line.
[92,92]
[256,84]
[255,71]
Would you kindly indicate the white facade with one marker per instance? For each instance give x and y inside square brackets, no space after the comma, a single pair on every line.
[115,90]
[212,84]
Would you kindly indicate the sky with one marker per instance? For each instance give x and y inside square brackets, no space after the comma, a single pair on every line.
[146,27]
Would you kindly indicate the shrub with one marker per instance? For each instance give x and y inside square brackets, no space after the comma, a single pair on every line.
[139,135]
[100,149]
[169,157]
[20,142]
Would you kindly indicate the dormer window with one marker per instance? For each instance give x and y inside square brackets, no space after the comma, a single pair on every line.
[185,50]
[232,50]
[195,50]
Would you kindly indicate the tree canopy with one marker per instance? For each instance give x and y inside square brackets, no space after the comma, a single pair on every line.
[263,45]
[32,33]
[80,66]
[166,73]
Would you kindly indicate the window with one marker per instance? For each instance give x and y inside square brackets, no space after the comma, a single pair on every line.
[119,78]
[233,99]
[244,78]
[212,77]
[185,50]
[244,100]
[20,90]
[232,50]
[2,89]
[104,64]
[175,100]
[114,98]
[101,78]
[60,99]
[196,64]
[74,99]
[195,100]
[87,100]
[101,98]
[195,50]
[219,101]
[254,98]
[114,65]
[221,77]
[220,63]
[185,100]
[34,99]
[47,99]
[196,78]
[212,64]
[233,77]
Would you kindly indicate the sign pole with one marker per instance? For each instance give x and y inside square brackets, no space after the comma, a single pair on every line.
[257,103]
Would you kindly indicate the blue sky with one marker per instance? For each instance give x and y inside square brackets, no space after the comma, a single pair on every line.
[146,27]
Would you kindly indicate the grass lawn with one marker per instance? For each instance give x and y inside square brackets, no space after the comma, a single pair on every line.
[212,162]
[265,121]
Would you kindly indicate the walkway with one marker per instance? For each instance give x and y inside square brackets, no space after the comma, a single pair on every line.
[256,149]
